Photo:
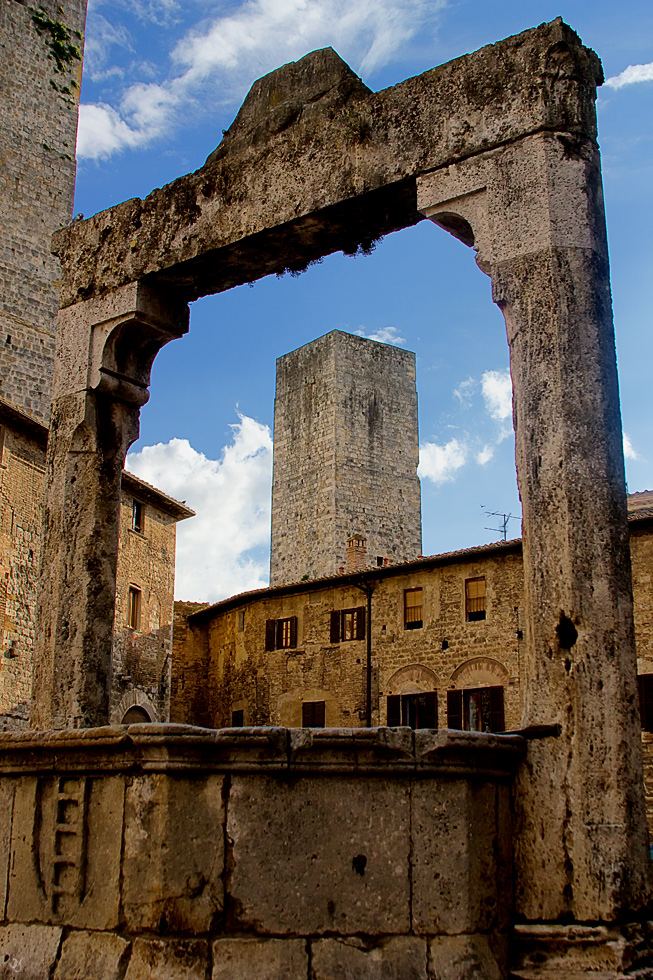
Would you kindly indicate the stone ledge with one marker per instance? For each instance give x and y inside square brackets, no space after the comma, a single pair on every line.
[184,748]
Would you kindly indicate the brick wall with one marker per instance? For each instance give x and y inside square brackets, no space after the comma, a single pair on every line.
[345,456]
[38,128]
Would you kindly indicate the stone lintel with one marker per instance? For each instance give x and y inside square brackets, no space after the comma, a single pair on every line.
[330,174]
[184,748]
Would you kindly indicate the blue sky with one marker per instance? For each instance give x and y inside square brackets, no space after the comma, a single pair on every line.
[163,78]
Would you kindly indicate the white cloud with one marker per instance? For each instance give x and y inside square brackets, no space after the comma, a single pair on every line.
[223,550]
[631,75]
[384,335]
[485,455]
[497,394]
[441,463]
[232,50]
[101,36]
[629,450]
[465,391]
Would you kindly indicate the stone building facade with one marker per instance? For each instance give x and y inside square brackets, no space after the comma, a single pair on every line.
[145,584]
[40,74]
[447,633]
[345,456]
[146,568]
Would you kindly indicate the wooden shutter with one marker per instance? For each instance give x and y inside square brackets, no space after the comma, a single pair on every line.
[360,623]
[313,714]
[455,709]
[394,710]
[427,710]
[335,627]
[270,634]
[293,631]
[497,723]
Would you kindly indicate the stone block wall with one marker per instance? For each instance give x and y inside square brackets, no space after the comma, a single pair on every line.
[37,146]
[345,456]
[22,472]
[162,851]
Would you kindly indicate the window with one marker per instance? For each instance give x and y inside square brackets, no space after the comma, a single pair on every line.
[281,634]
[2,444]
[645,686]
[347,624]
[134,608]
[238,718]
[241,620]
[313,713]
[138,513]
[474,599]
[476,710]
[413,710]
[412,609]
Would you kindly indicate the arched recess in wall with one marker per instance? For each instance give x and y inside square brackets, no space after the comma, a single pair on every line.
[479,672]
[412,679]
[134,708]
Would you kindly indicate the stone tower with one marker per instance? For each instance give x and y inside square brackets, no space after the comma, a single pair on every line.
[345,456]
[40,74]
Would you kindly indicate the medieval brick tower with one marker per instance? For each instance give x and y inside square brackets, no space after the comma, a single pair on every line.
[345,456]
[40,73]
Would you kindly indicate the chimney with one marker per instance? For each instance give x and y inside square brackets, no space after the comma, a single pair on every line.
[356,553]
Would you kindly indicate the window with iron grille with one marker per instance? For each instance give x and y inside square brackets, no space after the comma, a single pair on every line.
[134,608]
[413,710]
[313,714]
[281,634]
[474,599]
[412,609]
[476,709]
[347,624]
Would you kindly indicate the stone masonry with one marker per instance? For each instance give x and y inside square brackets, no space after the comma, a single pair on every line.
[345,456]
[499,149]
[39,89]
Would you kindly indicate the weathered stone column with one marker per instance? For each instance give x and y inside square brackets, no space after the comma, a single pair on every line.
[105,350]
[534,212]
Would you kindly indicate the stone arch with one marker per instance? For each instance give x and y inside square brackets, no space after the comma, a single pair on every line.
[412,679]
[134,699]
[480,672]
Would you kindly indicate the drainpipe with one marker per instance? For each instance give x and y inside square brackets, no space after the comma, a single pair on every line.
[368,588]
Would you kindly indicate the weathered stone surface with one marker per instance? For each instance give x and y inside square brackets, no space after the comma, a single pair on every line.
[401,958]
[28,951]
[463,958]
[96,955]
[255,206]
[339,849]
[7,787]
[461,857]
[166,959]
[65,851]
[260,959]
[543,951]
[343,407]
[173,853]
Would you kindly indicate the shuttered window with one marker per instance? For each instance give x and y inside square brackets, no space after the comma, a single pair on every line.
[313,714]
[347,624]
[138,516]
[476,710]
[412,609]
[413,710]
[645,685]
[281,634]
[474,599]
[238,718]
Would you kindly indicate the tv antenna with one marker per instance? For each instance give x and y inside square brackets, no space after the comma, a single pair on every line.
[504,522]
